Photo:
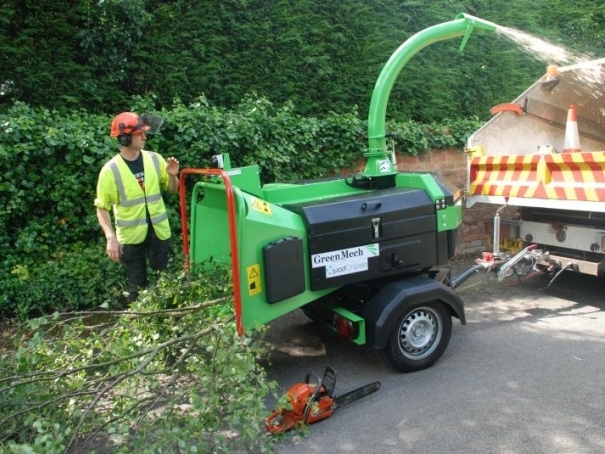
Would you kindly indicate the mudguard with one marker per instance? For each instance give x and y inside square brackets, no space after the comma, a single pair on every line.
[388,304]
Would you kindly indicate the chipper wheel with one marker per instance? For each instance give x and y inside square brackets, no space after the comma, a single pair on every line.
[419,337]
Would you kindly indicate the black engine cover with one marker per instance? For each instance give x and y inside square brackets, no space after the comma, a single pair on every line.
[370,235]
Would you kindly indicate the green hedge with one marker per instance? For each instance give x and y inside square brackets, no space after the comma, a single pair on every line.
[52,253]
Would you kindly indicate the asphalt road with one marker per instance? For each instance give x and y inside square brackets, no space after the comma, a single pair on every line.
[525,375]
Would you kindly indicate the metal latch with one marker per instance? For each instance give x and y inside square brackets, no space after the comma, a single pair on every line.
[375,228]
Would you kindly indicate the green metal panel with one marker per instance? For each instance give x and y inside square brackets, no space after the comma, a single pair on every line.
[418,180]
[209,237]
[312,190]
[262,225]
[258,223]
[246,178]
[447,218]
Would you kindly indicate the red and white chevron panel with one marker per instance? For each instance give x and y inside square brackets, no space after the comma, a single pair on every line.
[568,176]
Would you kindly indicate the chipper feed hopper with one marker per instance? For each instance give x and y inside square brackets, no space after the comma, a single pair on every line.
[363,254]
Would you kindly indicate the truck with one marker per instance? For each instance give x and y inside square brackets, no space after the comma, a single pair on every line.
[365,254]
[540,158]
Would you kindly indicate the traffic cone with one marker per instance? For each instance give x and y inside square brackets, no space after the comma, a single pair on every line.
[571,143]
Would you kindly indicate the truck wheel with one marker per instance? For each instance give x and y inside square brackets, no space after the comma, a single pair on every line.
[419,338]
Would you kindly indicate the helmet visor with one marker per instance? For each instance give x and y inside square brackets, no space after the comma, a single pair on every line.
[149,124]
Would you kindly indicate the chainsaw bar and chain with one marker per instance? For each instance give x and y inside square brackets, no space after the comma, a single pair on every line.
[356,394]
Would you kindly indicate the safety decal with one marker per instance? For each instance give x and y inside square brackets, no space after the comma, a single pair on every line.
[261,206]
[384,165]
[253,276]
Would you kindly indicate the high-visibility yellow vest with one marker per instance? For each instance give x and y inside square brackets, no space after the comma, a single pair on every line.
[117,187]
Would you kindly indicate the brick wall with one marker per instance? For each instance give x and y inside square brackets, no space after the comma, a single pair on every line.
[451,164]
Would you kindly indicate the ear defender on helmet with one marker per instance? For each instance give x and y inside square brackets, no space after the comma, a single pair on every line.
[124,139]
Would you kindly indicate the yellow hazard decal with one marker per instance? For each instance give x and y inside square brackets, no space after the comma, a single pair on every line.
[261,205]
[253,275]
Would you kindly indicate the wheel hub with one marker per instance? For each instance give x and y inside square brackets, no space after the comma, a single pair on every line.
[419,332]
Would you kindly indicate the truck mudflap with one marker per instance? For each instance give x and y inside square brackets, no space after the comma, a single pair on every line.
[394,298]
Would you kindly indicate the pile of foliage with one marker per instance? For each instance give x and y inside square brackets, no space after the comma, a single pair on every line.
[170,374]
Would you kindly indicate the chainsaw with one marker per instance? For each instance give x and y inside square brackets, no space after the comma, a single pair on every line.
[313,401]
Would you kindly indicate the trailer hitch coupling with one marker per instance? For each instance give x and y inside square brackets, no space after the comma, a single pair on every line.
[507,269]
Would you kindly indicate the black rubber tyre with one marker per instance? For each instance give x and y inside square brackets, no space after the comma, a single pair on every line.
[419,337]
[310,315]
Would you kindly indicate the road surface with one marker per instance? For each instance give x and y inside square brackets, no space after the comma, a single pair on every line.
[525,375]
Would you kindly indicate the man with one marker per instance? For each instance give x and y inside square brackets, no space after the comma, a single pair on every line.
[130,184]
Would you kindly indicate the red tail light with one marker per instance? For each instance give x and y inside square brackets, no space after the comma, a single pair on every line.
[344,327]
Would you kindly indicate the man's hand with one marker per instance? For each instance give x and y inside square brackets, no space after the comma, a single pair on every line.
[172,167]
[114,249]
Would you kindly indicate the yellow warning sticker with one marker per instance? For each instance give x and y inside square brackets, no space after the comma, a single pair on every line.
[253,275]
[261,205]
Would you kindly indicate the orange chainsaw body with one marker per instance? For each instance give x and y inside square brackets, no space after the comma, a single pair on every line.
[308,403]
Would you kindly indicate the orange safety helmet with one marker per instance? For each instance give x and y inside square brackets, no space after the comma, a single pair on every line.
[127,123]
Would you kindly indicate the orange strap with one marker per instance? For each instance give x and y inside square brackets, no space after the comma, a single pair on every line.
[507,107]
